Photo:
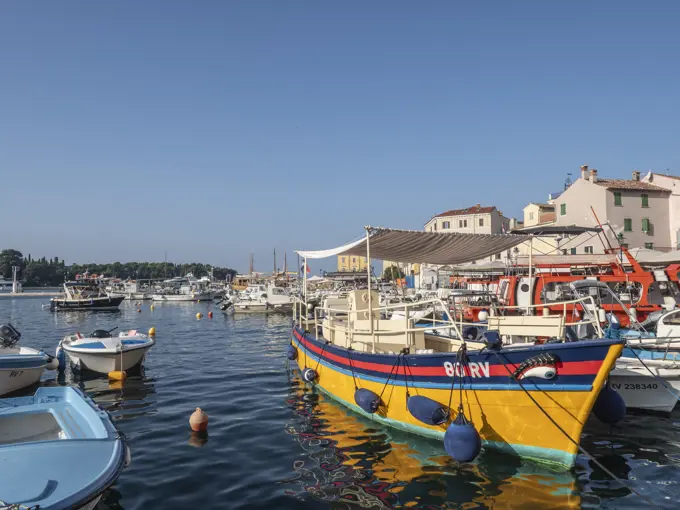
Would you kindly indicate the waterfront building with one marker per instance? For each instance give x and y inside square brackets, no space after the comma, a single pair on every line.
[351,263]
[635,212]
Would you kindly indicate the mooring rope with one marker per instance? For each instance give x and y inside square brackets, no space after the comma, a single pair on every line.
[316,369]
[576,443]
[351,366]
[395,366]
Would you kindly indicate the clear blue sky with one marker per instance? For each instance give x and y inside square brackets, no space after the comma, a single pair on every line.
[211,129]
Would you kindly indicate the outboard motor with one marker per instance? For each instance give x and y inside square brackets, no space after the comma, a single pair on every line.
[100,333]
[9,335]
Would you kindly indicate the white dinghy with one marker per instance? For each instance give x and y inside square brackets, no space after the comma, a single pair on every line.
[20,367]
[101,352]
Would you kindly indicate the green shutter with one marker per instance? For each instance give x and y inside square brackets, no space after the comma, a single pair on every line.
[649,246]
[563,209]
[627,225]
[617,198]
[645,200]
[645,225]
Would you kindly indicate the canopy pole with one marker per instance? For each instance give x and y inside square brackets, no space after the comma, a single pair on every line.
[531,274]
[368,273]
[304,287]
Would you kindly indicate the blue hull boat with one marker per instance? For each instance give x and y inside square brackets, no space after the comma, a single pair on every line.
[58,450]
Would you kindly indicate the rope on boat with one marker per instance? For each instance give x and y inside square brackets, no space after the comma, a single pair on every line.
[318,360]
[406,365]
[461,359]
[665,385]
[576,443]
[351,366]
[395,366]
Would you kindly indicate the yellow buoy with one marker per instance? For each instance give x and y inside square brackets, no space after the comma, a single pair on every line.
[152,331]
[117,375]
[152,307]
[199,315]
[198,300]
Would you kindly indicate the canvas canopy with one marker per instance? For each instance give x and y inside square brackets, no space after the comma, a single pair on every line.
[428,247]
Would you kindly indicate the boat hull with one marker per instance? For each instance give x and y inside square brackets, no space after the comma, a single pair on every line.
[106,362]
[79,305]
[259,308]
[181,297]
[20,368]
[642,390]
[501,411]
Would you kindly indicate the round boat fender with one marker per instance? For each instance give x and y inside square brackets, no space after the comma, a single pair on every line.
[609,407]
[52,363]
[427,410]
[309,375]
[367,400]
[292,353]
[461,440]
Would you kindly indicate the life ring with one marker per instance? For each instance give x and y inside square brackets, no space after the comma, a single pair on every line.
[365,314]
[364,297]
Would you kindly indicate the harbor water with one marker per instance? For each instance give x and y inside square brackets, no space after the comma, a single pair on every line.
[272,442]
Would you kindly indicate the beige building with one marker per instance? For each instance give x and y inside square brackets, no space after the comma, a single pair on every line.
[636,211]
[471,220]
[538,214]
[671,183]
[349,263]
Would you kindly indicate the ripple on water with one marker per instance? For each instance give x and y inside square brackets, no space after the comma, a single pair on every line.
[274,443]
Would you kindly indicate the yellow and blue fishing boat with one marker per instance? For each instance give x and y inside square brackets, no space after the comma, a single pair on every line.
[528,400]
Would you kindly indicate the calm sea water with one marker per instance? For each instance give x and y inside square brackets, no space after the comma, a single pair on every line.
[273,443]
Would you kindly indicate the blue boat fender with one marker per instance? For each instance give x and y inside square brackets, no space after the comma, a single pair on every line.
[609,407]
[292,353]
[309,375]
[427,410]
[367,400]
[461,440]
[61,358]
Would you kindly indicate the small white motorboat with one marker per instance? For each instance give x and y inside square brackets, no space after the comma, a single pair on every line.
[101,352]
[20,367]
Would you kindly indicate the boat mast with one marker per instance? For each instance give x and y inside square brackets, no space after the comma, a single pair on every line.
[274,273]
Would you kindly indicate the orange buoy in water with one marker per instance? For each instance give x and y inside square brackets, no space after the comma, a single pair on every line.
[198,421]
[209,315]
[117,375]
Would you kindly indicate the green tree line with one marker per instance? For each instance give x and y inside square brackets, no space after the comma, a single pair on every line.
[53,272]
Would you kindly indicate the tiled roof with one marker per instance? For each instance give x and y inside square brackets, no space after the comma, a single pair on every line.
[624,184]
[469,210]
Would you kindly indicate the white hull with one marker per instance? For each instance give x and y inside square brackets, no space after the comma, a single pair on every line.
[259,308]
[105,363]
[15,379]
[640,390]
[181,297]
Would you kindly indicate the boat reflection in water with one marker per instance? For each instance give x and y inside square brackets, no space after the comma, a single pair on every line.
[350,461]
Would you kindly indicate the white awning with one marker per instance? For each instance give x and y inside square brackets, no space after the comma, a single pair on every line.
[428,247]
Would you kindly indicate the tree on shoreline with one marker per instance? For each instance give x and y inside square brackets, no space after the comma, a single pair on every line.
[53,272]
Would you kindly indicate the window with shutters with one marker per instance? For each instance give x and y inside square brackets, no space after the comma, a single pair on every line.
[588,249]
[645,200]
[627,225]
[573,251]
[649,246]
[646,225]
[617,199]
[446,224]
[563,209]
[481,223]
